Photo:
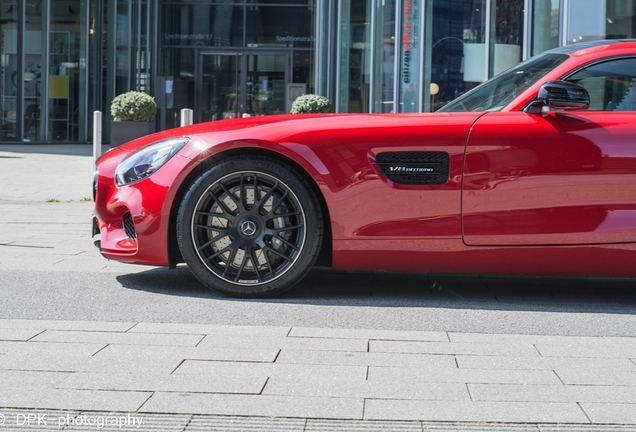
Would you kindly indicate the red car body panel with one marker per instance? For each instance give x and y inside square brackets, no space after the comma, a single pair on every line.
[526,193]
[337,151]
[550,180]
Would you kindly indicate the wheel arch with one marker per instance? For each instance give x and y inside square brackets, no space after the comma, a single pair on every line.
[174,254]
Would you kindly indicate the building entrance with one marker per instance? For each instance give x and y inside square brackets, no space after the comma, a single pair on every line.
[241,84]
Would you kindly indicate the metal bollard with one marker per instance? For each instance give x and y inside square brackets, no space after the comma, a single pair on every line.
[186,117]
[97,135]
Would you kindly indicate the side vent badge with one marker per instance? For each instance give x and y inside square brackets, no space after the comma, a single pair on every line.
[423,168]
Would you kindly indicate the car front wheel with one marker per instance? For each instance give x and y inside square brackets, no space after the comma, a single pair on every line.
[249,227]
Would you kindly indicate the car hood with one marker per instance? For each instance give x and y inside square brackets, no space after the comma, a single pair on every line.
[307,128]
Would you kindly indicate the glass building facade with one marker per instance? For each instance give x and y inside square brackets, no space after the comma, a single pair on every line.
[61,60]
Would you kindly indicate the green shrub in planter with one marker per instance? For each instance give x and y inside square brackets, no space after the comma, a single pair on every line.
[133,117]
[310,104]
[133,106]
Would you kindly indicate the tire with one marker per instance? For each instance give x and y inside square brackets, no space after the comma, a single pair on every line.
[250,227]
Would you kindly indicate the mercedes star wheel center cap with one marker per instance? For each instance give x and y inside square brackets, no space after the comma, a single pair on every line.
[248,228]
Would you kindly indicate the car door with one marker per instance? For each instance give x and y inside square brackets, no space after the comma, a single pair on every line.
[557,178]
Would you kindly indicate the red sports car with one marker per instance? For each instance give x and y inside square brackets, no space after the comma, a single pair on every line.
[532,172]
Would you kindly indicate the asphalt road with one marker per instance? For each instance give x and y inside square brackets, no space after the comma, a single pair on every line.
[330,299]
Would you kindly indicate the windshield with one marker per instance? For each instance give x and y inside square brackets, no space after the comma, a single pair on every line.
[496,93]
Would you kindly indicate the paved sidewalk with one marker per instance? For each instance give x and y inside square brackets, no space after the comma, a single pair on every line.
[306,378]
[102,375]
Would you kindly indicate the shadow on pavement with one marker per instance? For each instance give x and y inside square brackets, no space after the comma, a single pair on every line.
[326,287]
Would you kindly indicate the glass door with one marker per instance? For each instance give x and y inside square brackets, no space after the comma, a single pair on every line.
[240,84]
[219,91]
[265,84]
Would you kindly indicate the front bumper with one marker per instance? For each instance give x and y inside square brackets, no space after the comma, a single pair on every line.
[133,221]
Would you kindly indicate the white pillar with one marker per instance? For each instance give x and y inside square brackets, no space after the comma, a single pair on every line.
[186,117]
[97,135]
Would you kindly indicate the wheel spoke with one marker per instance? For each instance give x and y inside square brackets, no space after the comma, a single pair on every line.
[275,252]
[241,267]
[209,227]
[271,216]
[269,194]
[222,233]
[220,252]
[224,207]
[205,227]
[267,262]
[293,246]
[243,197]
[257,198]
[278,203]
[231,195]
[203,213]
[255,264]
[230,260]
[288,228]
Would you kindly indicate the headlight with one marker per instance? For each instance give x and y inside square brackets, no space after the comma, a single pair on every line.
[146,161]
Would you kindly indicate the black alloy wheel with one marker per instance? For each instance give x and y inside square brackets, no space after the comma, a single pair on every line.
[249,227]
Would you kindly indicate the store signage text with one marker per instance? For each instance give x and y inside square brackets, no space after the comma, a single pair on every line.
[409,38]
[195,37]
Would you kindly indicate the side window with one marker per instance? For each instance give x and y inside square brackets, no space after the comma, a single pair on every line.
[611,84]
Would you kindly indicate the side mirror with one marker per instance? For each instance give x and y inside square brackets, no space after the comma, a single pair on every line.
[561,96]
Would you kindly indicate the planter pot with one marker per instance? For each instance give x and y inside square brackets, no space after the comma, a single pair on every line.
[123,131]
